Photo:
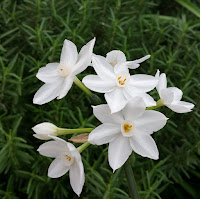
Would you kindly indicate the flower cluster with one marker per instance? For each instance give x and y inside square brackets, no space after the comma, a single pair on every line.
[128,119]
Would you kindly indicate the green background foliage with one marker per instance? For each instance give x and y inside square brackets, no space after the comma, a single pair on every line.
[32,34]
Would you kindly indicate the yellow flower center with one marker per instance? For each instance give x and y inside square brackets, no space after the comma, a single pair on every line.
[127,127]
[121,81]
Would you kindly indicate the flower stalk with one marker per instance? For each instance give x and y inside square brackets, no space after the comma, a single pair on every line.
[82,86]
[62,131]
[83,147]
[131,180]
[95,99]
[159,103]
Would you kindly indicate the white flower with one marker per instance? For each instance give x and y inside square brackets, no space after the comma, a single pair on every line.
[117,84]
[67,158]
[171,96]
[59,77]
[127,130]
[115,57]
[44,129]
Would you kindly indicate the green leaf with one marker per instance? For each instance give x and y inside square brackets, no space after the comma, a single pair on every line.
[190,6]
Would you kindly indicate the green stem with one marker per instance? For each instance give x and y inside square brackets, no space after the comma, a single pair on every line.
[83,147]
[95,99]
[131,180]
[159,103]
[62,131]
[82,86]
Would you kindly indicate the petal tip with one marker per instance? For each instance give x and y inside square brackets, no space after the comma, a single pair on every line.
[38,149]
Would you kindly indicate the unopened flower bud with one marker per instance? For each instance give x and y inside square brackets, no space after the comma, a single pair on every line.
[44,129]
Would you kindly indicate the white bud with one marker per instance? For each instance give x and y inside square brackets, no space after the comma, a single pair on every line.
[44,129]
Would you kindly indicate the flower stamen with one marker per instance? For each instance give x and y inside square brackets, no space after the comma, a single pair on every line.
[68,158]
[120,81]
[127,127]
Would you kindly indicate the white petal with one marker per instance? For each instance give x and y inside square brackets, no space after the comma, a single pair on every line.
[181,107]
[95,83]
[84,57]
[42,136]
[115,56]
[67,84]
[143,82]
[45,128]
[103,114]
[151,121]
[118,152]
[48,92]
[136,63]
[134,109]
[162,84]
[177,93]
[130,92]
[57,168]
[104,133]
[121,68]
[48,74]
[103,68]
[132,65]
[167,96]
[69,53]
[149,101]
[157,74]
[144,145]
[116,99]
[74,153]
[60,142]
[51,149]
[77,176]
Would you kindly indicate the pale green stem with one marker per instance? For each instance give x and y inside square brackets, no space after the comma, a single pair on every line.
[159,103]
[83,147]
[82,86]
[62,131]
[95,99]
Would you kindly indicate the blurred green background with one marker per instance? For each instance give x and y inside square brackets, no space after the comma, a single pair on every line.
[31,35]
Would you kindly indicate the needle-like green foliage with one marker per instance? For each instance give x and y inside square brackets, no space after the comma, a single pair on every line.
[31,35]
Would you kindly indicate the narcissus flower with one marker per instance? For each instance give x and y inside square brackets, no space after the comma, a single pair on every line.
[171,96]
[115,57]
[67,158]
[118,85]
[44,129]
[59,77]
[127,130]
